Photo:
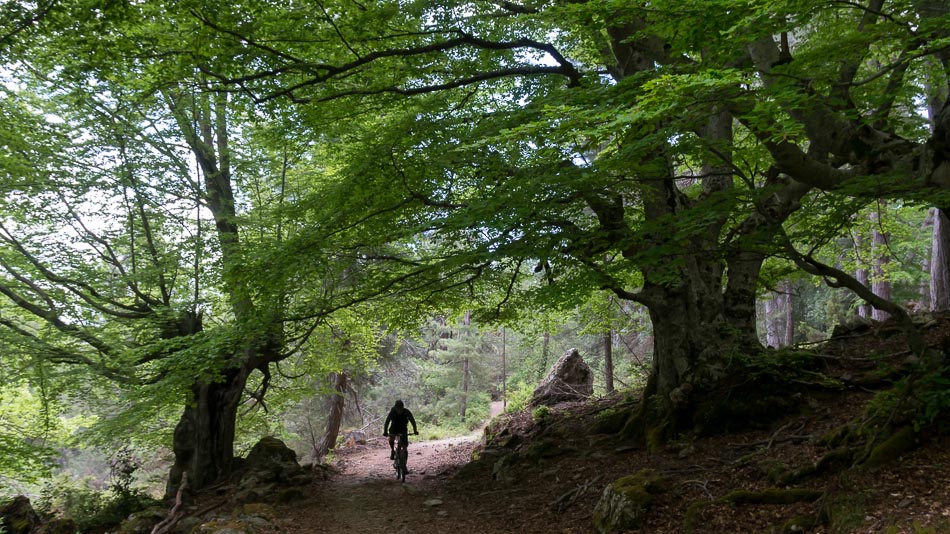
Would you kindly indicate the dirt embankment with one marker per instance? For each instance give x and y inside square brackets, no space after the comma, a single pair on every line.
[551,473]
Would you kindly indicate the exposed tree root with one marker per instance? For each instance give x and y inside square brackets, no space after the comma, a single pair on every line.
[739,497]
[176,512]
[755,389]
[833,461]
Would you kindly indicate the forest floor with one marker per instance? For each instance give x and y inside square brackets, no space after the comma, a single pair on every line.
[556,489]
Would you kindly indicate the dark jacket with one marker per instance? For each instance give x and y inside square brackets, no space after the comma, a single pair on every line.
[398,423]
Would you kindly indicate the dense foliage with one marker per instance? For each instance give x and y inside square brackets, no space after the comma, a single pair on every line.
[215,206]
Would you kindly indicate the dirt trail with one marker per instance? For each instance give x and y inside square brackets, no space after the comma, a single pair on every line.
[364,495]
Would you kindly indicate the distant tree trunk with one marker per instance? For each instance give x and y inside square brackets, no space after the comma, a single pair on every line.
[466,363]
[772,307]
[545,346]
[939,256]
[923,304]
[335,404]
[881,284]
[609,361]
[788,318]
[861,274]
[504,370]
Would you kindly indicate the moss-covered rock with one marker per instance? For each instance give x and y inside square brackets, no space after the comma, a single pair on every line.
[503,470]
[17,516]
[257,509]
[58,525]
[224,526]
[289,495]
[271,460]
[797,525]
[610,421]
[142,522]
[626,502]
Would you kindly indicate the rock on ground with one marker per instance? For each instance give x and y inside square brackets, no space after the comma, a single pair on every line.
[571,379]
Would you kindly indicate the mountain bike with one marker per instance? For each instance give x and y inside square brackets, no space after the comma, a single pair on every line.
[402,457]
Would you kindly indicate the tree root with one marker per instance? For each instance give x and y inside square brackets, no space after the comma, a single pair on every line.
[176,513]
[837,459]
[567,499]
[769,496]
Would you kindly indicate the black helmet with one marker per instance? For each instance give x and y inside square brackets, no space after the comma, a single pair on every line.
[398,404]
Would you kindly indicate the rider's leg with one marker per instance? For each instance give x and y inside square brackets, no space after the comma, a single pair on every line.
[392,446]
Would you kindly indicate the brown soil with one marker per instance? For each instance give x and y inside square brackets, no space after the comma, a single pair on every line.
[364,496]
[556,491]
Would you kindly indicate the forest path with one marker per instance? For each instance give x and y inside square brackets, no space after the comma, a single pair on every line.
[364,496]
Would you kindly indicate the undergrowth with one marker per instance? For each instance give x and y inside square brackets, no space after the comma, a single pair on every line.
[90,508]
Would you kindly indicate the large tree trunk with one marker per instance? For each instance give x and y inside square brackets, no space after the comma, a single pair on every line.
[940,244]
[204,436]
[939,266]
[702,298]
[694,362]
[335,406]
[203,441]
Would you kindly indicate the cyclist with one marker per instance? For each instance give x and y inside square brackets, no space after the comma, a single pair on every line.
[397,422]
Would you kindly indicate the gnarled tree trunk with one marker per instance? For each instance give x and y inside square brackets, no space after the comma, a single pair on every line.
[203,442]
[697,358]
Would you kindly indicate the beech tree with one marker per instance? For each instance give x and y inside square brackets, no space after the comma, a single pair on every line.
[658,155]
[501,157]
[137,224]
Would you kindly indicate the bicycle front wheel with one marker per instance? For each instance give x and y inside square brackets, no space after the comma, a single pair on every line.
[401,458]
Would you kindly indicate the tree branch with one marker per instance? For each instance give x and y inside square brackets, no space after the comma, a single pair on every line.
[835,277]
[321,72]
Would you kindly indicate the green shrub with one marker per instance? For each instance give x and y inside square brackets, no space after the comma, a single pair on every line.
[541,414]
[518,396]
[933,392]
[76,499]
[93,509]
